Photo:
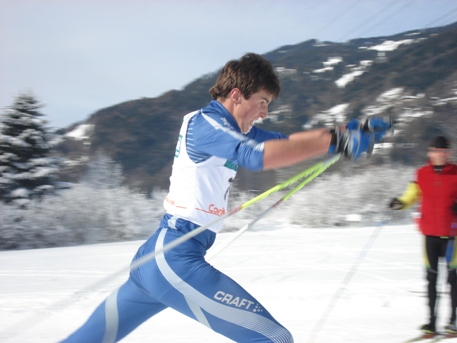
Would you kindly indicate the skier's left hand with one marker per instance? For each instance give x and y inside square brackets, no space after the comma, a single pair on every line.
[377,125]
[359,136]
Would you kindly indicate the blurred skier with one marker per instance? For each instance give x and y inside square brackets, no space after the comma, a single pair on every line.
[435,187]
[212,143]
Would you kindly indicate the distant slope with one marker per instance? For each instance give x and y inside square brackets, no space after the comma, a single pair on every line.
[322,83]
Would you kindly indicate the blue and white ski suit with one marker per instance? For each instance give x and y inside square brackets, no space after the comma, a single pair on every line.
[210,148]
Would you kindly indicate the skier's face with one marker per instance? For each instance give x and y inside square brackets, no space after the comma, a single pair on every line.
[250,110]
[439,157]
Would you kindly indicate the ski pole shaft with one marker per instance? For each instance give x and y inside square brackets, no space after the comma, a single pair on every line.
[193,233]
[292,180]
[310,171]
[246,227]
[321,166]
[366,248]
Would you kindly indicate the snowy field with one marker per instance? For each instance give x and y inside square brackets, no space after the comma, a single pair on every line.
[325,285]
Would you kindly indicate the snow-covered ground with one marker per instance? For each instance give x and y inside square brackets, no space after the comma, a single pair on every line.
[325,285]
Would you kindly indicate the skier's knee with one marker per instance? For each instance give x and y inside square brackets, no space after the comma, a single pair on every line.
[452,277]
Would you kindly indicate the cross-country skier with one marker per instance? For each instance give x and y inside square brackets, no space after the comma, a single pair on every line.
[213,142]
[435,187]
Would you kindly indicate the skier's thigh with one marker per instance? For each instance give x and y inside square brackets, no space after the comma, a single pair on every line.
[216,300]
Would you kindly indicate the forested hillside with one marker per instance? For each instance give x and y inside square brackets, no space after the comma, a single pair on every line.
[411,76]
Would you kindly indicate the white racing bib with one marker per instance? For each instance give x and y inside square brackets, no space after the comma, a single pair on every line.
[198,191]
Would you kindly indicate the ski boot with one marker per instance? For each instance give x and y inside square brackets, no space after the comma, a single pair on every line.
[428,329]
[450,329]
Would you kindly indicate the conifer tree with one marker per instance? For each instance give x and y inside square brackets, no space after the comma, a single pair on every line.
[103,172]
[27,169]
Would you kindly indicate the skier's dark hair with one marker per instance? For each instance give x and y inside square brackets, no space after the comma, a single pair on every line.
[250,74]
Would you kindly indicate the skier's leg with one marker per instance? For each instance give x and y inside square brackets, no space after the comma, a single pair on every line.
[118,315]
[451,260]
[431,256]
[183,280]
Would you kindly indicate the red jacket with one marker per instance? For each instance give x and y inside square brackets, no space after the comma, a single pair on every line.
[438,195]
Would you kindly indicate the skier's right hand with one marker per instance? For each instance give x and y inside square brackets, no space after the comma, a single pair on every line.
[396,204]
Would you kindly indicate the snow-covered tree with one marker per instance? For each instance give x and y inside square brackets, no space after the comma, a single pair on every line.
[98,209]
[27,169]
[103,172]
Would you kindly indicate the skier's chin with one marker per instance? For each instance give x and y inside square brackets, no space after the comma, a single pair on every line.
[248,129]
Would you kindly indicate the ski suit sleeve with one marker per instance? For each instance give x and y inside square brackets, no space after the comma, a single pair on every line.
[260,135]
[411,195]
[212,137]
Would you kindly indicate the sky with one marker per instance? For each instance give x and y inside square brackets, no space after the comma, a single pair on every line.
[338,285]
[79,56]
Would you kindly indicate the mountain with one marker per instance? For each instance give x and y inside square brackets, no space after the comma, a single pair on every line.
[410,76]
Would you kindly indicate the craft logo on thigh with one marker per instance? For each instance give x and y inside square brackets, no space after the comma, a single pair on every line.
[230,299]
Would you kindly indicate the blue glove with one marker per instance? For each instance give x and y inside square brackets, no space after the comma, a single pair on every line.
[360,136]
[379,126]
[357,143]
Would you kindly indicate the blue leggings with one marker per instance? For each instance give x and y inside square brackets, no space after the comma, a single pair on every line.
[181,279]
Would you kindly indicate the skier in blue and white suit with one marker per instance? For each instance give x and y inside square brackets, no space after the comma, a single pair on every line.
[213,142]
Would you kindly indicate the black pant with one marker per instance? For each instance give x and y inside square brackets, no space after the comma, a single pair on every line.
[436,247]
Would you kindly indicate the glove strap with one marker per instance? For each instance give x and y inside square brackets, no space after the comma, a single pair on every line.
[335,142]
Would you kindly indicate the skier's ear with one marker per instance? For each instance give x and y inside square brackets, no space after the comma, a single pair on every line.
[236,95]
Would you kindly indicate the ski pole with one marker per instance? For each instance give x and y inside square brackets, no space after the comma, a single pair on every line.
[300,176]
[246,227]
[366,248]
[320,166]
[148,257]
[315,168]
[152,255]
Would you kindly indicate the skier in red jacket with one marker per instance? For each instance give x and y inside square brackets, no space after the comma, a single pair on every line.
[435,188]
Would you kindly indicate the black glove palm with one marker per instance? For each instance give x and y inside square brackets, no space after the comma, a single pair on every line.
[396,204]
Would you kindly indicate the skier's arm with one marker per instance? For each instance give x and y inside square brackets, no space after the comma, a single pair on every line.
[409,197]
[299,147]
[352,140]
[271,151]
